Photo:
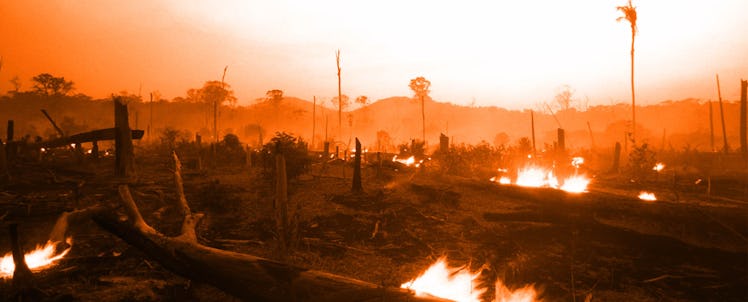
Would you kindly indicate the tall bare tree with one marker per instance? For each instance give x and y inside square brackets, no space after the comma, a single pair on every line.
[340,95]
[420,87]
[629,14]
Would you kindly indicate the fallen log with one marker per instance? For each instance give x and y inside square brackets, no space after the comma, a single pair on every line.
[244,276]
[86,137]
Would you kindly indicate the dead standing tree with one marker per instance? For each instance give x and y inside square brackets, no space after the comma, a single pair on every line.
[725,146]
[743,118]
[124,157]
[244,276]
[357,187]
[340,97]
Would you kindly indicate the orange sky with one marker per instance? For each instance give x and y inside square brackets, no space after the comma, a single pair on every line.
[512,54]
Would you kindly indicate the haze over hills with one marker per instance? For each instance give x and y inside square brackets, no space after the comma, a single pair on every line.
[682,123]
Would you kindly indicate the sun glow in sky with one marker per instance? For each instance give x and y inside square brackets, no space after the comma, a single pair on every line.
[511,54]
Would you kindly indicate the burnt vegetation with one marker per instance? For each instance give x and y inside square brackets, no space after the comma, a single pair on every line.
[250,183]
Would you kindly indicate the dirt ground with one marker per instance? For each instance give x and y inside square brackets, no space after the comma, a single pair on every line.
[605,244]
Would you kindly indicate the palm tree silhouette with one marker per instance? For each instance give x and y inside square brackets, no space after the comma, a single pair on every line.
[629,14]
[420,87]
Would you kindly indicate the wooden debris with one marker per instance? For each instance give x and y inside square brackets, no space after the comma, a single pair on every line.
[245,276]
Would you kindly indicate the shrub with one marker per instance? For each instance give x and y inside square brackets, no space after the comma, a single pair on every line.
[295,151]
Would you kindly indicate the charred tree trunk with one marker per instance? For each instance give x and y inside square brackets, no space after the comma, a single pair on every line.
[314,122]
[443,143]
[711,127]
[357,188]
[244,276]
[4,175]
[743,112]
[616,158]
[532,128]
[124,158]
[561,140]
[10,144]
[22,277]
[10,131]
[592,137]
[725,146]
[282,225]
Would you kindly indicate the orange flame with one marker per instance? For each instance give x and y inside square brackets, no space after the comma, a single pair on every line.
[575,184]
[460,285]
[533,177]
[647,196]
[577,161]
[39,258]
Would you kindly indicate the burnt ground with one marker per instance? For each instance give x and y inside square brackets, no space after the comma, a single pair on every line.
[605,244]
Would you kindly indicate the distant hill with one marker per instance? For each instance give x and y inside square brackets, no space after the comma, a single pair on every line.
[682,124]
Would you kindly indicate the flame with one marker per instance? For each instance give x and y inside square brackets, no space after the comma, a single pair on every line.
[39,258]
[575,184]
[532,177]
[535,177]
[577,161]
[460,285]
[502,180]
[648,196]
[504,294]
[658,167]
[408,162]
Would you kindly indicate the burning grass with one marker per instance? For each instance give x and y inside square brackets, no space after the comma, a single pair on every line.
[459,284]
[537,177]
[41,257]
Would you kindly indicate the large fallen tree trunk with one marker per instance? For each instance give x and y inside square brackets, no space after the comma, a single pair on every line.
[244,276]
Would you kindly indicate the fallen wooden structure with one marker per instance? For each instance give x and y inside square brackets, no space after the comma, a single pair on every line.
[86,137]
[244,276]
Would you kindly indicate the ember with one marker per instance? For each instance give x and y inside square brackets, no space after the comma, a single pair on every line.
[658,167]
[39,258]
[410,161]
[648,196]
[460,285]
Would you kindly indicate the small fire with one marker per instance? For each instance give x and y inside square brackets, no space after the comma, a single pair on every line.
[504,294]
[502,180]
[535,177]
[648,196]
[410,161]
[577,161]
[39,258]
[575,184]
[658,167]
[460,285]
[532,177]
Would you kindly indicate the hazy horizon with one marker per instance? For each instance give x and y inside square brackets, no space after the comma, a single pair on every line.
[508,54]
